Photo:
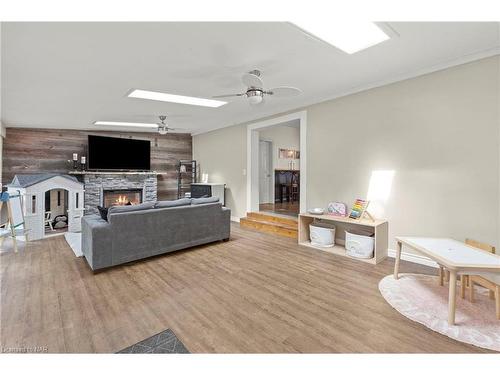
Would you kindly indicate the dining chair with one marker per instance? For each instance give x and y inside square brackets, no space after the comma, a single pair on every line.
[294,188]
[488,280]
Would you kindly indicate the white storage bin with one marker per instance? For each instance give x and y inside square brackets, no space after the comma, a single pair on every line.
[322,235]
[359,246]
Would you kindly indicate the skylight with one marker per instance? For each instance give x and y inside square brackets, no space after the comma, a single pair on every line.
[119,123]
[164,97]
[350,37]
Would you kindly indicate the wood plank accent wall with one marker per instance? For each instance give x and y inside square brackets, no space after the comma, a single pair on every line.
[51,150]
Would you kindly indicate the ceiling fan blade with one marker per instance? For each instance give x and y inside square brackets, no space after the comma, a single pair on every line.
[227,96]
[251,80]
[284,91]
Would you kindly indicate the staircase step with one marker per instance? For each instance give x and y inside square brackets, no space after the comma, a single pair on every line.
[273,218]
[281,229]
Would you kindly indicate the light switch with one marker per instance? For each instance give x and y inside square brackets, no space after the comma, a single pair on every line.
[244,172]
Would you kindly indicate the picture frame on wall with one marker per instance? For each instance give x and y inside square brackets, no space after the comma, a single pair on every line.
[285,153]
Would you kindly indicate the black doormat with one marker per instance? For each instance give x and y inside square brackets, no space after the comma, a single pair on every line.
[162,343]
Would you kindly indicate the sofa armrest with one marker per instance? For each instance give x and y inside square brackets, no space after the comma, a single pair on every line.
[96,242]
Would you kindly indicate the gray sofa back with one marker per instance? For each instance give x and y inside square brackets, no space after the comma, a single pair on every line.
[135,235]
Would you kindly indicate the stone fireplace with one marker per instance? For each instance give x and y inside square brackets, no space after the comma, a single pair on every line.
[111,188]
[121,197]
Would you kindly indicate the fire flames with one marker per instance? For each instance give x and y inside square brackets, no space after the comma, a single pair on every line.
[121,200]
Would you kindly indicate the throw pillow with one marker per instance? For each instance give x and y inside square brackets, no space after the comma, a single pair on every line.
[103,212]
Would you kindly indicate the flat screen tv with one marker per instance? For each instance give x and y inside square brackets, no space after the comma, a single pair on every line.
[108,153]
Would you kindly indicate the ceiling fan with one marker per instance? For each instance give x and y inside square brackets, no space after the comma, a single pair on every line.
[163,127]
[255,91]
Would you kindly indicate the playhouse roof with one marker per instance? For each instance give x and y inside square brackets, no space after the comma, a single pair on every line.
[25,180]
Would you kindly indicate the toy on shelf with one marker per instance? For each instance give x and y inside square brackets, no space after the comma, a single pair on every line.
[337,209]
[359,210]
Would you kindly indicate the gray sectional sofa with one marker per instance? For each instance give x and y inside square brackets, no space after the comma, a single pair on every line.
[142,231]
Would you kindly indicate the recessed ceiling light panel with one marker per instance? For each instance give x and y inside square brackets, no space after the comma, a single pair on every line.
[350,37]
[120,123]
[171,98]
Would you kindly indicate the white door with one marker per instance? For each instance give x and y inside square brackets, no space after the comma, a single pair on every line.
[265,165]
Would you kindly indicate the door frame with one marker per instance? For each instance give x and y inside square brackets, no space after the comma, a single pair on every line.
[253,157]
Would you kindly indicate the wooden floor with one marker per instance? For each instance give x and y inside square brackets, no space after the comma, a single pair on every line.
[254,293]
[285,208]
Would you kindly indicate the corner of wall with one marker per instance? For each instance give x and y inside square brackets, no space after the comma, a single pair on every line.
[2,135]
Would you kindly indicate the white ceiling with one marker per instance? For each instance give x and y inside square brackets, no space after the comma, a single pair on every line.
[67,75]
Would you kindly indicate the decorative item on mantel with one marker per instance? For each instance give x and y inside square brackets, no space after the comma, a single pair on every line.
[75,161]
[83,161]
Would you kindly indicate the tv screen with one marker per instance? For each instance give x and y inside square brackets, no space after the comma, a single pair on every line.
[118,153]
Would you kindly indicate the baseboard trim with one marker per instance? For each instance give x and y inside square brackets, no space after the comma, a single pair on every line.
[236,219]
[414,258]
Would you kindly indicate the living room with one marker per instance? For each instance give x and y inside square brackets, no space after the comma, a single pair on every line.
[250,187]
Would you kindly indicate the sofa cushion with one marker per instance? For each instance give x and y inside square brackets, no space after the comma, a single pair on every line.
[135,207]
[174,203]
[204,200]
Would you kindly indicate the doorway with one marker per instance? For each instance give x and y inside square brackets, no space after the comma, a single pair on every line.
[277,146]
[56,211]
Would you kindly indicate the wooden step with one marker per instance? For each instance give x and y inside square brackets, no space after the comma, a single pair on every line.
[262,216]
[271,224]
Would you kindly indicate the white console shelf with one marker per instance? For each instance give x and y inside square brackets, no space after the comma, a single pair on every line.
[377,227]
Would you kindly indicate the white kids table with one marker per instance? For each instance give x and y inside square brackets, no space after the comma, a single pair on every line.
[455,256]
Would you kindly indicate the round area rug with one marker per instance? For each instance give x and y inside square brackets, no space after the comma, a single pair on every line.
[421,299]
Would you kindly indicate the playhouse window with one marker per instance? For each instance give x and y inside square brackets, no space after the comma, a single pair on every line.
[33,204]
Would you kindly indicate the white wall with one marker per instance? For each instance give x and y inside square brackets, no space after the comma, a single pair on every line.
[1,158]
[222,154]
[282,137]
[2,135]
[439,133]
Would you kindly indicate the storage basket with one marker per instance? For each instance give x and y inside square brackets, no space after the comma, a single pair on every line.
[322,235]
[359,246]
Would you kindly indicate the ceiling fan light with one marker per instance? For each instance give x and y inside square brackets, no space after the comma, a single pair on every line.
[255,96]
[255,99]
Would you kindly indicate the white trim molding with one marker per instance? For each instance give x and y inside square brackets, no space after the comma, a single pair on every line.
[236,219]
[414,258]
[253,157]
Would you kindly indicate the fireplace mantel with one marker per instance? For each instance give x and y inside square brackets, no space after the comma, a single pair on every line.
[128,173]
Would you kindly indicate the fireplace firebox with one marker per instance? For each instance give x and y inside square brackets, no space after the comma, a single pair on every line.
[121,197]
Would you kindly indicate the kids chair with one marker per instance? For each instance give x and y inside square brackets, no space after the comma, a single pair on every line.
[488,280]
[48,220]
